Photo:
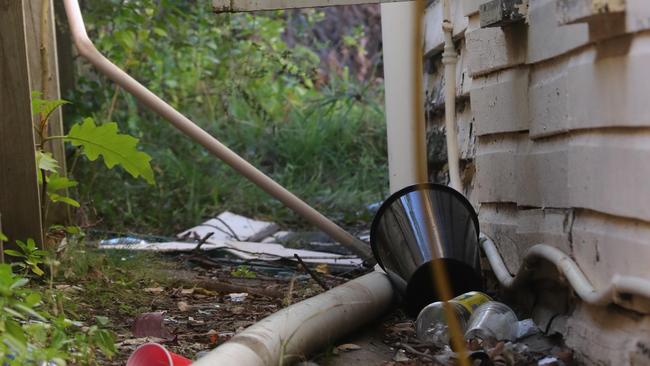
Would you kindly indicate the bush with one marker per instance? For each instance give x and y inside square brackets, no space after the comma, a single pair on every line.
[234,74]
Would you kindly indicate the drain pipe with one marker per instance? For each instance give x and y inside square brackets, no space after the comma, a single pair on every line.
[299,330]
[620,291]
[87,49]
[449,59]
[405,130]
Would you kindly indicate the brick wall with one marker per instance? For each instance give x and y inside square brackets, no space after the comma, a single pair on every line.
[554,127]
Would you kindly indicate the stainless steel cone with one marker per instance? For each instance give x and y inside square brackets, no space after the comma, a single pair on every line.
[422,224]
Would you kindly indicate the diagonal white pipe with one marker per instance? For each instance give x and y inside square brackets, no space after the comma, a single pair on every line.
[87,49]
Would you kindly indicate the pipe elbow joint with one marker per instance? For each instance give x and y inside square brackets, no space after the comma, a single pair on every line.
[84,45]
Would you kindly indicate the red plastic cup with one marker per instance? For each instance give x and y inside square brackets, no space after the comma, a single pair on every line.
[153,354]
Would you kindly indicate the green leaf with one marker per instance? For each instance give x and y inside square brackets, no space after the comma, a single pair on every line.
[159,31]
[3,237]
[45,106]
[102,320]
[105,341]
[32,299]
[55,197]
[56,182]
[45,161]
[13,253]
[125,38]
[115,148]
[36,270]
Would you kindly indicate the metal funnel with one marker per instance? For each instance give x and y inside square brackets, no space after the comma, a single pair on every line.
[422,224]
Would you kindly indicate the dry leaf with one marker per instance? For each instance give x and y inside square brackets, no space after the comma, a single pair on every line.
[322,268]
[151,325]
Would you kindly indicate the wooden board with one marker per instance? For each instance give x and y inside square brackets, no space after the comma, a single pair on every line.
[19,198]
[43,74]
[220,6]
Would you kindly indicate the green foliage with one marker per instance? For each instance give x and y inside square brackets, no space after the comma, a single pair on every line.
[323,137]
[45,161]
[243,272]
[3,237]
[56,185]
[45,107]
[115,148]
[30,335]
[31,256]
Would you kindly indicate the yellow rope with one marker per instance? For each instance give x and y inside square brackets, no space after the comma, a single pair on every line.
[440,275]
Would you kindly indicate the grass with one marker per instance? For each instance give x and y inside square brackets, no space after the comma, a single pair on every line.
[241,82]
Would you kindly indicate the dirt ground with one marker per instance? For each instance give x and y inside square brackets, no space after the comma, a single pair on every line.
[191,303]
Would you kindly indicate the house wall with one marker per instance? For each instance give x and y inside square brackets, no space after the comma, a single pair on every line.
[554,128]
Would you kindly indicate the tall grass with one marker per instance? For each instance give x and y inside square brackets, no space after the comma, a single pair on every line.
[236,77]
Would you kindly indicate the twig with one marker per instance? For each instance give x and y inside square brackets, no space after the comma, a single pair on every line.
[232,232]
[203,240]
[415,352]
[224,287]
[289,296]
[311,273]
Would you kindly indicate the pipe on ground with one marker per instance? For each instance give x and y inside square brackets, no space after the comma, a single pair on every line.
[87,49]
[301,329]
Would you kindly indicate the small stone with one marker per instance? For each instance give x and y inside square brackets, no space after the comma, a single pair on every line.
[400,356]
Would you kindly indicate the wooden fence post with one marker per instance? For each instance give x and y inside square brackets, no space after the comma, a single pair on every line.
[19,193]
[44,77]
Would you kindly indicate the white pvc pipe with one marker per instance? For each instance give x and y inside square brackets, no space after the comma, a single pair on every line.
[404,160]
[619,291]
[449,59]
[185,125]
[303,328]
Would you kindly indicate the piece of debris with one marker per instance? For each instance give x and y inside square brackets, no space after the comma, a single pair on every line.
[125,240]
[526,328]
[229,226]
[154,290]
[183,306]
[238,297]
[151,325]
[348,347]
[548,361]
[400,356]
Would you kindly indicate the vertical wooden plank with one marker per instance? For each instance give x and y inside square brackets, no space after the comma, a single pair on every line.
[19,198]
[43,74]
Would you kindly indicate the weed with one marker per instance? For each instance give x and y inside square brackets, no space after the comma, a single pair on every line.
[243,272]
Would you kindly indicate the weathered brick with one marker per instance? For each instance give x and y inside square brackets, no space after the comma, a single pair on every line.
[496,168]
[637,15]
[500,101]
[608,172]
[548,39]
[491,49]
[542,174]
[471,6]
[434,38]
[549,226]
[547,99]
[607,336]
[605,88]
[578,11]
[605,245]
